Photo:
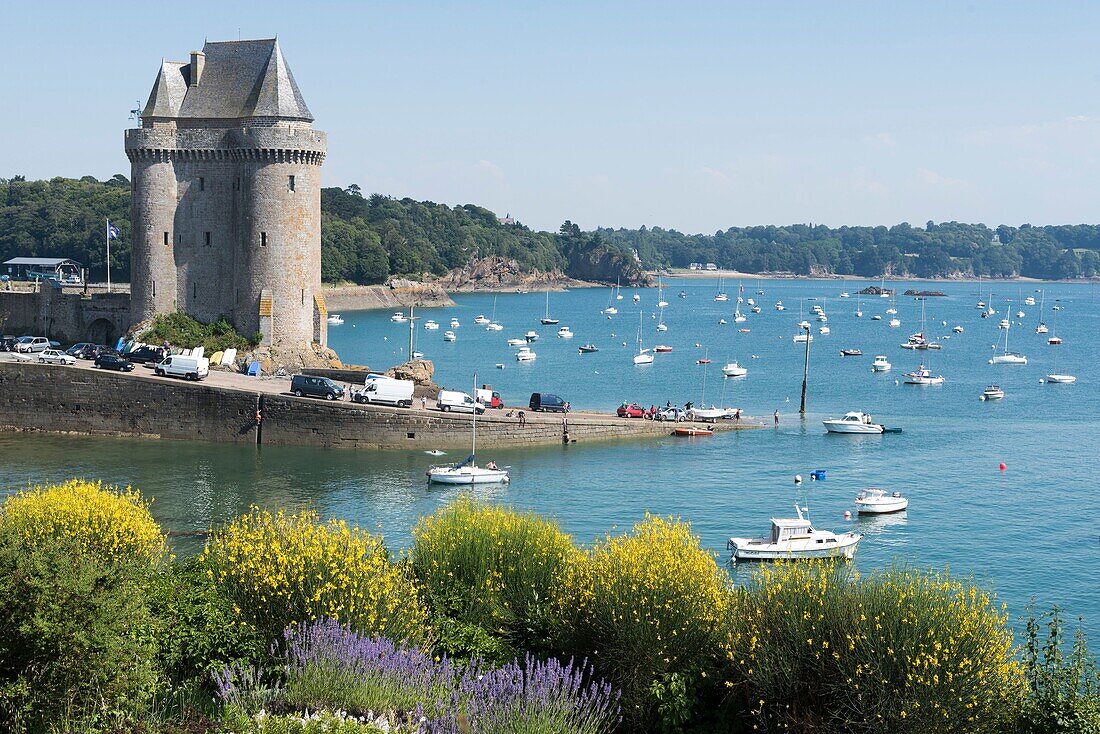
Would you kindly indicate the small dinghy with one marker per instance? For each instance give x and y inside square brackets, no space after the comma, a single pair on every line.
[692,431]
[851,353]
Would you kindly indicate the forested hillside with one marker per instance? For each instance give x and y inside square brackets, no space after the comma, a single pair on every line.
[367,239]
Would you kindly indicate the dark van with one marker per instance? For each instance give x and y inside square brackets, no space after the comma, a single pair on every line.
[547,402]
[315,387]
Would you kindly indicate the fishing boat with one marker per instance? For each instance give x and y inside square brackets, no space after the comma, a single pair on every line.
[335,319]
[734,370]
[531,336]
[399,318]
[1007,357]
[881,364]
[853,422]
[875,501]
[794,538]
[525,354]
[565,333]
[467,471]
[431,325]
[851,353]
[449,336]
[923,376]
[546,320]
[662,349]
[693,431]
[993,392]
[644,356]
[588,349]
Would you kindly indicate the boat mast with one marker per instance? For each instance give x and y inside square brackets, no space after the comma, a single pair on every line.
[473,439]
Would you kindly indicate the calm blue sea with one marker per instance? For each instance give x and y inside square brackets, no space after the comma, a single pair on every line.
[1027,532]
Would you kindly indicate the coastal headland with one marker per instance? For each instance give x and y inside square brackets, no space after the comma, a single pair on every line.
[85,401]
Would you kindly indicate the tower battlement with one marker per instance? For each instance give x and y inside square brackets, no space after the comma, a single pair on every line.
[227,196]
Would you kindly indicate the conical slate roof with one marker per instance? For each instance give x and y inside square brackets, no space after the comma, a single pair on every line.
[240,79]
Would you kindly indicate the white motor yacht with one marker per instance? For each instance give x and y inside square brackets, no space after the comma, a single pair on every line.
[923,376]
[993,392]
[779,306]
[881,364]
[494,326]
[895,323]
[335,319]
[516,342]
[853,422]
[565,333]
[454,323]
[734,370]
[481,320]
[958,329]
[611,311]
[525,354]
[399,318]
[431,325]
[794,538]
[531,336]
[876,501]
[1061,379]
[824,331]
[449,336]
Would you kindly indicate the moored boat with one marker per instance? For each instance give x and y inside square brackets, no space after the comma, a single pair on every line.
[875,501]
[693,431]
[794,538]
[853,422]
[588,349]
[881,364]
[734,370]
[923,376]
[993,392]
[851,353]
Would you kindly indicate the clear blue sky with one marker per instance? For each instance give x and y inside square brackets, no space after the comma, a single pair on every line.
[696,116]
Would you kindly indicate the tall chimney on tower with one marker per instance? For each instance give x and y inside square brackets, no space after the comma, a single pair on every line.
[198,60]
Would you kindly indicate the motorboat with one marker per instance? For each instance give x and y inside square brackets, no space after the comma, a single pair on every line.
[1007,357]
[794,538]
[845,295]
[610,311]
[958,329]
[721,297]
[734,370]
[1041,328]
[923,376]
[693,431]
[876,501]
[481,320]
[993,392]
[750,301]
[431,325]
[824,331]
[662,327]
[704,360]
[637,298]
[876,317]
[722,322]
[335,319]
[880,364]
[399,318]
[1054,341]
[1020,314]
[565,333]
[525,355]
[779,306]
[1004,324]
[531,336]
[588,349]
[853,422]
[895,323]
[1029,301]
[756,309]
[707,414]
[744,331]
[449,336]
[516,342]
[418,355]
[662,349]
[1061,379]
[467,471]
[892,311]
[454,323]
[851,353]
[494,326]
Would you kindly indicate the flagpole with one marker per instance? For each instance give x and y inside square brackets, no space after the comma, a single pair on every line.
[107,239]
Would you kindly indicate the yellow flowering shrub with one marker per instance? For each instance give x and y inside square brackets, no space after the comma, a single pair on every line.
[280,569]
[105,521]
[812,646]
[490,570]
[644,606]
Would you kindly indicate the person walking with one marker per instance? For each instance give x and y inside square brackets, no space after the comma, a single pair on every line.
[776,416]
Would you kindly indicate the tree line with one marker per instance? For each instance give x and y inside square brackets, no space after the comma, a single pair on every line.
[367,239]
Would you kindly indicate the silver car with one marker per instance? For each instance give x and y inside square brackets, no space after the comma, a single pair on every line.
[32,344]
[56,356]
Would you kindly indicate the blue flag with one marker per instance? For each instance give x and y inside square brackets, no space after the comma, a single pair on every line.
[112,232]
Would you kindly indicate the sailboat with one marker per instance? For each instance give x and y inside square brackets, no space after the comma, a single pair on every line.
[611,310]
[644,356]
[1007,357]
[546,320]
[859,311]
[661,302]
[1055,340]
[1042,327]
[980,305]
[1058,378]
[720,296]
[468,472]
[882,288]
[702,412]
[804,334]
[493,325]
[618,291]
[661,321]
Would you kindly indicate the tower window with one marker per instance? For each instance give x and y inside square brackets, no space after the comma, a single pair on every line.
[202,183]
[303,296]
[291,183]
[194,290]
[263,239]
[207,237]
[237,184]
[166,239]
[154,289]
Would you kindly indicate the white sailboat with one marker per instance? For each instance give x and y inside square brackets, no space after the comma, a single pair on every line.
[720,295]
[468,472]
[611,310]
[1054,339]
[644,356]
[661,321]
[1007,357]
[661,302]
[493,325]
[546,320]
[701,412]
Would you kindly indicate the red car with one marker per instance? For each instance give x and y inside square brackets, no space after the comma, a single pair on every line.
[630,410]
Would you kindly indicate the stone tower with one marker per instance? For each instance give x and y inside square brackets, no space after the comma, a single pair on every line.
[226,172]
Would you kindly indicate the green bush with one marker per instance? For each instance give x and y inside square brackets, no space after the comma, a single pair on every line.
[813,647]
[181,330]
[322,722]
[76,646]
[488,573]
[1063,695]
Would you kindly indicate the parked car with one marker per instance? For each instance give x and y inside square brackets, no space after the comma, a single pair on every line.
[77,348]
[673,414]
[547,402]
[32,344]
[630,410]
[191,368]
[113,361]
[55,356]
[315,387]
[91,351]
[459,402]
[147,354]
[7,343]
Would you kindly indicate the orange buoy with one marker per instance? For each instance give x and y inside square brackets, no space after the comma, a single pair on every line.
[1002,466]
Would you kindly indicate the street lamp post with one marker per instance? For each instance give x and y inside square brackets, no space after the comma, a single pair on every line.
[805,371]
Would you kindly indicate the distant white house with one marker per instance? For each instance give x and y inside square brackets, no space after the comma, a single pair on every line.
[506,219]
[711,266]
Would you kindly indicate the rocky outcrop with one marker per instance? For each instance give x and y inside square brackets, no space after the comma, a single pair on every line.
[500,273]
[603,264]
[273,359]
[925,294]
[397,293]
[420,371]
[874,290]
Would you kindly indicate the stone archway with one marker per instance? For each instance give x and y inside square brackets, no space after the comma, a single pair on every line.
[103,331]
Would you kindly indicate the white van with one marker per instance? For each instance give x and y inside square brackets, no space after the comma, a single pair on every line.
[193,368]
[459,402]
[385,391]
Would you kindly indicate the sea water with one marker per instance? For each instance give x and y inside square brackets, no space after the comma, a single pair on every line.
[1029,531]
